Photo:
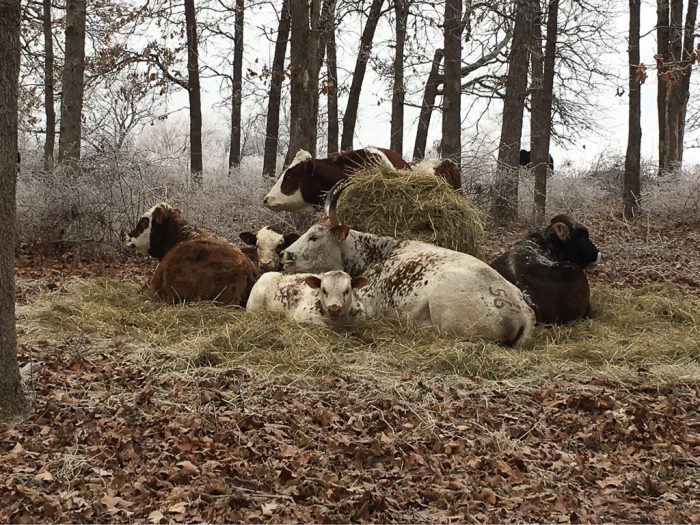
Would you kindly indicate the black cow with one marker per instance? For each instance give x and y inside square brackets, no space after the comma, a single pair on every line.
[548,267]
[525,159]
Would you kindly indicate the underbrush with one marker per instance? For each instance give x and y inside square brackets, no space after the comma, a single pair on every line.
[652,333]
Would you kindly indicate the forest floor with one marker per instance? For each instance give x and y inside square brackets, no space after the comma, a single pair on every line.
[116,437]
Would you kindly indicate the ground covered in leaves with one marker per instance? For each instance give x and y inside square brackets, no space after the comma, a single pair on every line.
[122,433]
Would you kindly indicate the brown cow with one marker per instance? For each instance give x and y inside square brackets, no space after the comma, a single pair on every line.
[194,264]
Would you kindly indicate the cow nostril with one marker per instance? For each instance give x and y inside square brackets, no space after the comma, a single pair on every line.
[265,199]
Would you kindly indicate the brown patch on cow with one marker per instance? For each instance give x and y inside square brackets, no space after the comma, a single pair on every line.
[289,295]
[402,281]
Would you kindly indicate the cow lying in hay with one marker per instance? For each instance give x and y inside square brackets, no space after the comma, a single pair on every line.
[302,186]
[194,264]
[452,291]
[268,242]
[548,267]
[326,299]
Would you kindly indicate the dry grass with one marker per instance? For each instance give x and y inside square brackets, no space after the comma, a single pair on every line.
[411,204]
[652,333]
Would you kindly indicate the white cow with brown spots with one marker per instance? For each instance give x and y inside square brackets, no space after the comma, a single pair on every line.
[326,299]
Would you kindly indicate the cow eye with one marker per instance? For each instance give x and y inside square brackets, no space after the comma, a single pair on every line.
[323,291]
[313,238]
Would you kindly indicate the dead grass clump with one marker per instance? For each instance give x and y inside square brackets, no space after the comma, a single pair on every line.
[652,332]
[410,204]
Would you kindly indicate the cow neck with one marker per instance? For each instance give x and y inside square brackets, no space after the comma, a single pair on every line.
[327,174]
[177,230]
[361,250]
[545,245]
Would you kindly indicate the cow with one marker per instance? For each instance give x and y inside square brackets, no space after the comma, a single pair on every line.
[548,266]
[194,264]
[525,159]
[268,243]
[443,168]
[327,299]
[430,285]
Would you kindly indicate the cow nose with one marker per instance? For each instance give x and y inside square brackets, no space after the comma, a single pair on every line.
[287,256]
[265,263]
[334,309]
[265,200]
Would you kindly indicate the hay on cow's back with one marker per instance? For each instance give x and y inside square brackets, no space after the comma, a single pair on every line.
[410,204]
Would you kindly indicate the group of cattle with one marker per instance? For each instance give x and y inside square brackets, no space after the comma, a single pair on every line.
[334,275]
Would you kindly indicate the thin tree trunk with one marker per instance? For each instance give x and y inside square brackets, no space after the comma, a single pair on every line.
[358,77]
[662,52]
[673,98]
[325,24]
[399,89]
[194,93]
[506,200]
[12,400]
[427,106]
[542,115]
[73,82]
[688,52]
[332,91]
[631,189]
[452,89]
[48,88]
[273,106]
[234,157]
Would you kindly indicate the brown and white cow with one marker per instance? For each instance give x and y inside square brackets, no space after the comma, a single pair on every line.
[194,264]
[443,168]
[268,243]
[548,266]
[453,291]
[302,186]
[327,299]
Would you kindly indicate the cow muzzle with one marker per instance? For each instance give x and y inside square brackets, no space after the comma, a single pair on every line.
[271,204]
[334,310]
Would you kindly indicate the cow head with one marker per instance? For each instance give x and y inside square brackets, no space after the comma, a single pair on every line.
[269,243]
[570,240]
[338,298]
[153,233]
[287,193]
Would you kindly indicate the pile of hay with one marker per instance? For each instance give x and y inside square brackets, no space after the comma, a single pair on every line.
[653,334]
[410,204]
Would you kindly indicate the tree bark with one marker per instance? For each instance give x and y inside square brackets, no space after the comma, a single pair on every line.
[427,106]
[631,185]
[304,85]
[234,157]
[273,106]
[48,88]
[332,91]
[542,113]
[662,58]
[401,7]
[73,82]
[688,51]
[194,93]
[506,201]
[452,88]
[13,403]
[358,77]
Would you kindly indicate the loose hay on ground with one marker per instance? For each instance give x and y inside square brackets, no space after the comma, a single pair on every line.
[410,204]
[653,332]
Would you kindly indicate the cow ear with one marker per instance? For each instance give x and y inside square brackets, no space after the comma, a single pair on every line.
[358,282]
[562,231]
[341,231]
[248,237]
[313,281]
[158,215]
[290,238]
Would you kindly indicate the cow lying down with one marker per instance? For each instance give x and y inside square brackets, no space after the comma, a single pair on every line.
[548,267]
[326,299]
[194,264]
[267,244]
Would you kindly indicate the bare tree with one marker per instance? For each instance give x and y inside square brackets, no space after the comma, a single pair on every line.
[331,88]
[276,79]
[451,105]
[12,400]
[662,58]
[358,77]
[234,158]
[73,82]
[631,185]
[50,140]
[398,98]
[194,94]
[426,109]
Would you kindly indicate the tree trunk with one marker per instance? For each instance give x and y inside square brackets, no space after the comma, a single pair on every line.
[399,89]
[325,25]
[631,188]
[304,85]
[426,109]
[662,53]
[234,156]
[506,201]
[332,91]
[48,88]
[194,93]
[358,77]
[542,113]
[73,82]
[451,107]
[273,106]
[673,100]
[688,52]
[12,400]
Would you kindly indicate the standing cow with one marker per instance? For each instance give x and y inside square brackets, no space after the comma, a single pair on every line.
[452,291]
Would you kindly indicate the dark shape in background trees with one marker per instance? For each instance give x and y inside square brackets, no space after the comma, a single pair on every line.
[50,141]
[452,89]
[194,94]
[13,402]
[73,82]
[398,98]
[234,158]
[631,183]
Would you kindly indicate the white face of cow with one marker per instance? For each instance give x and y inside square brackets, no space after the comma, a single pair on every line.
[338,298]
[318,250]
[286,193]
[269,243]
[140,237]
